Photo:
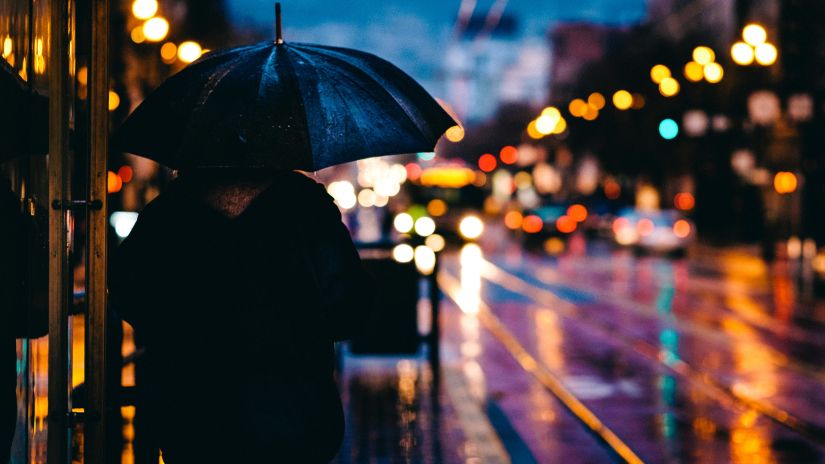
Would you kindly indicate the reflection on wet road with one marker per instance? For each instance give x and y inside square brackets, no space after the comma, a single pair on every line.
[710,359]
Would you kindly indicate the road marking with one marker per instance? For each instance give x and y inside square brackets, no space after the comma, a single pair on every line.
[542,373]
[483,442]
[516,284]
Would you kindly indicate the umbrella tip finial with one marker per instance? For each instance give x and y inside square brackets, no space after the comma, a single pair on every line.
[279,37]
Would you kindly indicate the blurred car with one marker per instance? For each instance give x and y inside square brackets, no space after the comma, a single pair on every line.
[452,200]
[659,231]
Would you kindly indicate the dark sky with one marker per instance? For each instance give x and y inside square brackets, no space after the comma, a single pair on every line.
[413,34]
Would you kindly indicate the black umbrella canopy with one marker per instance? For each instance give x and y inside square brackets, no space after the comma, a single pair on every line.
[24,117]
[283,105]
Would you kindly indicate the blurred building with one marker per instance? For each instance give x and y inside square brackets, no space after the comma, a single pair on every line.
[489,64]
[576,46]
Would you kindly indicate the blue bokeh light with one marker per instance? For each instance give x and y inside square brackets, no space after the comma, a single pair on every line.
[668,129]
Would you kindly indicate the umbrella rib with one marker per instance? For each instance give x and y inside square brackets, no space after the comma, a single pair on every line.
[290,68]
[378,84]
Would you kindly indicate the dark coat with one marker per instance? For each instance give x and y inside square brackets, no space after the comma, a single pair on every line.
[238,317]
[10,297]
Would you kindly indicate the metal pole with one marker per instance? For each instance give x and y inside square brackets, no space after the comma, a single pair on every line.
[59,113]
[97,405]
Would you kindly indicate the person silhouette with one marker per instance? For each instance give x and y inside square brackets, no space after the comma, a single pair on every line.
[10,300]
[238,282]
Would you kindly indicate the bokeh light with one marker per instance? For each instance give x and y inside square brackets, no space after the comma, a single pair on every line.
[403,253]
[622,100]
[742,53]
[532,224]
[694,71]
[785,182]
[424,226]
[566,225]
[765,54]
[681,228]
[703,55]
[169,52]
[424,259]
[155,29]
[577,212]
[509,154]
[144,9]
[754,34]
[189,51]
[114,100]
[487,162]
[513,220]
[436,242]
[596,100]
[126,173]
[669,87]
[577,107]
[437,207]
[684,201]
[471,227]
[714,72]
[455,134]
[668,129]
[403,223]
[659,72]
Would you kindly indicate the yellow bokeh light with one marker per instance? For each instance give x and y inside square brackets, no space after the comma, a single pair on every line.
[669,87]
[189,51]
[114,100]
[694,71]
[561,126]
[742,53]
[533,132]
[551,112]
[144,9]
[659,73]
[596,100]
[622,100]
[765,54]
[546,124]
[455,134]
[169,52]
[155,29]
[137,35]
[577,107]
[714,73]
[754,34]
[703,55]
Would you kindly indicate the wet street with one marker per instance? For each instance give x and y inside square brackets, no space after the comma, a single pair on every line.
[599,355]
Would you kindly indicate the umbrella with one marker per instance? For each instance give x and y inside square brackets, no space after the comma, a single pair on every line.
[24,120]
[283,105]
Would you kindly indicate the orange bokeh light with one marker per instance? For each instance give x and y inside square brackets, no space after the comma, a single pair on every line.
[126,174]
[487,162]
[509,154]
[577,212]
[566,225]
[513,220]
[532,224]
[684,201]
[113,182]
[612,190]
[785,182]
[681,228]
[645,227]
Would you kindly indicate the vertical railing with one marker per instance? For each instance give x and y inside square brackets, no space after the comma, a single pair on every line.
[96,318]
[59,113]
